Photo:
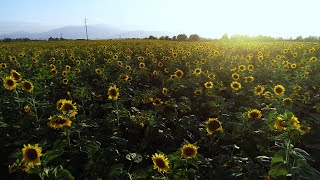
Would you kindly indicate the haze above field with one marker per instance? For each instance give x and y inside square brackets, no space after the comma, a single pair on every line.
[208,18]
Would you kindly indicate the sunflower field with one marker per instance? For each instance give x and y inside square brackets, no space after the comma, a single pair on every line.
[150,109]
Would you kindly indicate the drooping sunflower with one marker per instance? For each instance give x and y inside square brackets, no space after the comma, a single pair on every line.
[280,124]
[17,76]
[235,85]
[27,86]
[57,122]
[124,77]
[189,151]
[208,85]
[304,129]
[178,73]
[213,125]
[279,90]
[235,76]
[69,108]
[254,114]
[31,154]
[9,83]
[113,93]
[294,122]
[197,71]
[287,101]
[160,162]
[258,90]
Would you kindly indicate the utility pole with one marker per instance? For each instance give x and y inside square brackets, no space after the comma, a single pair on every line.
[85,23]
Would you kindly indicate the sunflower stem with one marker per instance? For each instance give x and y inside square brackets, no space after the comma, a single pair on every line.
[118,118]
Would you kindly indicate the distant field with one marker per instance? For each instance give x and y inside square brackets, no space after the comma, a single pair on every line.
[144,109]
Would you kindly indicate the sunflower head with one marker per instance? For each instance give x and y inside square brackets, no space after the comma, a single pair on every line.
[160,162]
[287,101]
[235,76]
[197,71]
[113,93]
[235,85]
[242,67]
[31,154]
[142,65]
[197,92]
[281,124]
[213,125]
[17,76]
[27,86]
[254,114]
[165,91]
[178,73]
[250,67]
[157,102]
[9,83]
[58,122]
[249,79]
[279,90]
[189,151]
[67,107]
[258,90]
[208,85]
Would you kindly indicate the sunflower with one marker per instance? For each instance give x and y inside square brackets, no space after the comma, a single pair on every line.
[59,103]
[31,154]
[128,68]
[250,67]
[68,68]
[115,57]
[54,71]
[280,124]
[279,90]
[242,67]
[258,90]
[157,102]
[235,76]
[160,162]
[59,122]
[254,114]
[98,71]
[3,65]
[268,95]
[113,93]
[287,101]
[197,71]
[235,85]
[124,78]
[294,122]
[65,81]
[249,79]
[213,125]
[208,85]
[165,91]
[178,73]
[27,86]
[304,129]
[313,59]
[142,65]
[293,65]
[69,108]
[189,151]
[120,64]
[17,76]
[197,92]
[9,83]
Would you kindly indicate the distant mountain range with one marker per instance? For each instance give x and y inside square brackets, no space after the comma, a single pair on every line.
[94,32]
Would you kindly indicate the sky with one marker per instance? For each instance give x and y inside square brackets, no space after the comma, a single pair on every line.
[208,18]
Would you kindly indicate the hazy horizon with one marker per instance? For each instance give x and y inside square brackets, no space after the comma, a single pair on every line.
[207,18]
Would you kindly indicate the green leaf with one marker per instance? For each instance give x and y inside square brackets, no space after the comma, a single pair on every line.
[302,153]
[116,170]
[51,155]
[3,124]
[279,157]
[278,169]
[305,173]
[64,175]
[139,174]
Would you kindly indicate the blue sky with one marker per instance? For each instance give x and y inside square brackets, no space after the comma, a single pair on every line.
[209,18]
